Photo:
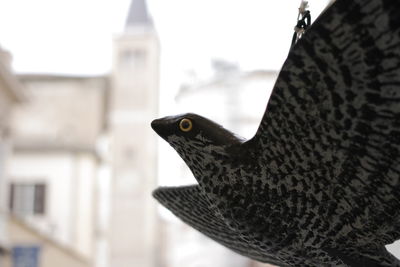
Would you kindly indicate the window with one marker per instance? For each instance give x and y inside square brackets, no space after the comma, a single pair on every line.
[27,199]
[133,58]
[25,255]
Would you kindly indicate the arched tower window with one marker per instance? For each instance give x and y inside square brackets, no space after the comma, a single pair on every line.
[133,58]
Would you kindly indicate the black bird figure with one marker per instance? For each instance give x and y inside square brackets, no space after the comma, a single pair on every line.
[319,183]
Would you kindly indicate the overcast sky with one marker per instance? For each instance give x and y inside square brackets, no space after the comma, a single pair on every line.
[75,36]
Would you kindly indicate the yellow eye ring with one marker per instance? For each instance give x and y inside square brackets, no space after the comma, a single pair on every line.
[185,125]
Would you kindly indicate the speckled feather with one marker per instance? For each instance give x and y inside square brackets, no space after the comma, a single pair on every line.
[318,185]
[189,204]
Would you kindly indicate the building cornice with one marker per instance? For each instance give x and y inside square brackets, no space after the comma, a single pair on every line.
[11,83]
[20,222]
[47,147]
[57,77]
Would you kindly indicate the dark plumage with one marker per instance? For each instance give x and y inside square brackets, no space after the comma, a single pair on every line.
[319,183]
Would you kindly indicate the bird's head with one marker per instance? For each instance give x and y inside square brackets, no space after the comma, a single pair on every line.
[199,141]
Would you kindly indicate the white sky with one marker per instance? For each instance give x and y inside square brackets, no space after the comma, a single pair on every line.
[75,36]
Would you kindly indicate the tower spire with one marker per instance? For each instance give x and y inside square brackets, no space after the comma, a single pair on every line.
[138,15]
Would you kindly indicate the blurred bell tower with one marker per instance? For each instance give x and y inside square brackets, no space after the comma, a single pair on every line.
[134,101]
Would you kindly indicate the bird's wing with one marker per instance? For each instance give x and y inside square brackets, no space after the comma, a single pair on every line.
[192,207]
[365,257]
[334,112]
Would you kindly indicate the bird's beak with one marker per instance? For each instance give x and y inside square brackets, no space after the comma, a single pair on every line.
[161,127]
[157,126]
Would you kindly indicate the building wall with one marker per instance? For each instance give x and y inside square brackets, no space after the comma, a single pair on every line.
[133,105]
[135,71]
[6,103]
[10,96]
[70,204]
[62,110]
[57,133]
[5,146]
[51,253]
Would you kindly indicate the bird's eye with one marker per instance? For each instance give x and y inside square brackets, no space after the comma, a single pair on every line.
[186,125]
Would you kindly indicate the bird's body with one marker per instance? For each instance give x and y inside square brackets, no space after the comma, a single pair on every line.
[319,184]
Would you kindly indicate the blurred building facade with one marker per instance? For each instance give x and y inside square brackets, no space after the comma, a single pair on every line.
[10,96]
[21,243]
[83,163]
[55,163]
[133,104]
[31,248]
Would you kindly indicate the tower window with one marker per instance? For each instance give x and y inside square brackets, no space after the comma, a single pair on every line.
[133,58]
[27,198]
